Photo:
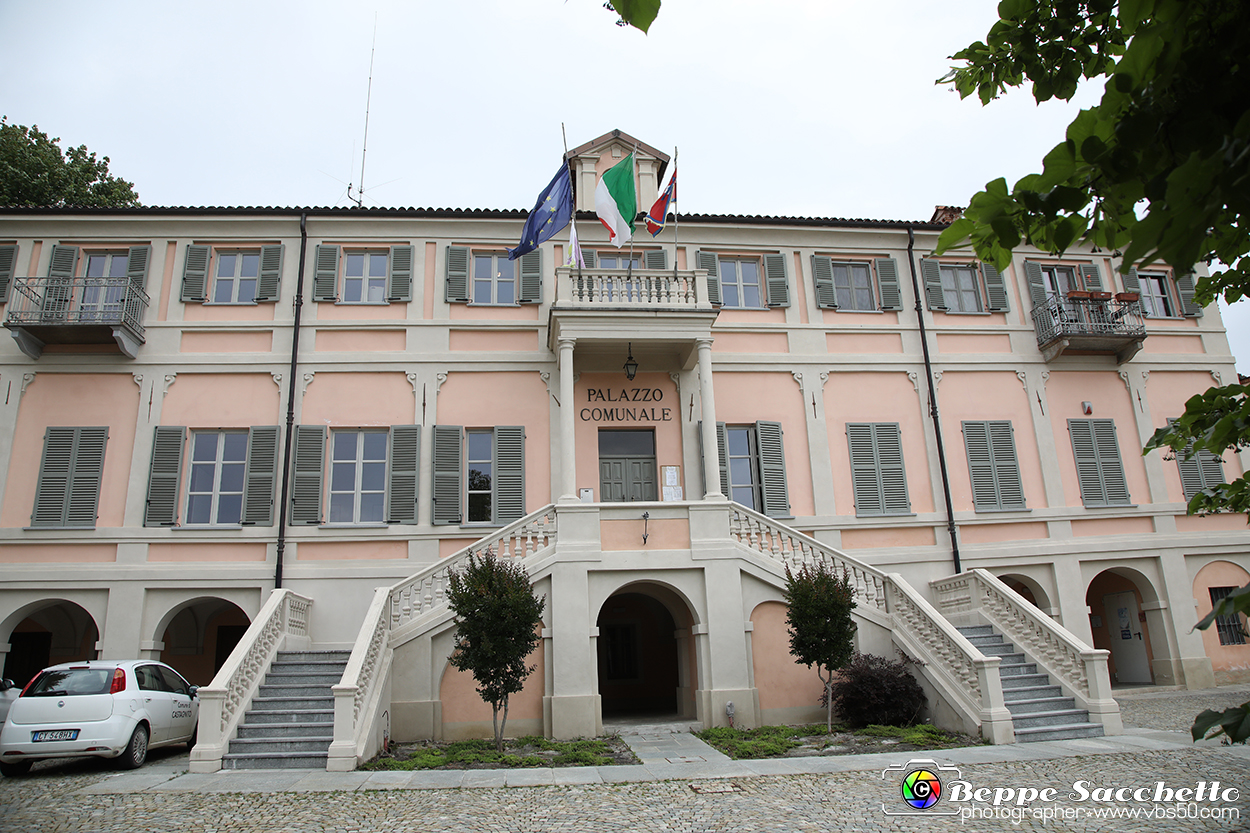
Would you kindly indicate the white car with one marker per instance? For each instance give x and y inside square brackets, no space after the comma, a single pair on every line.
[8,693]
[108,708]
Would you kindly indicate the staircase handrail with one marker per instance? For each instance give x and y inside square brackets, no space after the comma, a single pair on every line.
[224,700]
[793,549]
[937,642]
[425,590]
[357,693]
[1080,668]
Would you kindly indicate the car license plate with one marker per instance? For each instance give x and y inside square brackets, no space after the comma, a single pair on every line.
[58,734]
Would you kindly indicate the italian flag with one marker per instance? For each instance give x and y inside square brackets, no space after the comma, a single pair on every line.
[616,202]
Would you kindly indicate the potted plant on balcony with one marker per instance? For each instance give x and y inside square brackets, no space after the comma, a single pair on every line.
[1078,295]
[1128,296]
[1100,296]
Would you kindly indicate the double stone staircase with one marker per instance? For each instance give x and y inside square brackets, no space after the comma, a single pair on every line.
[1039,711]
[291,721]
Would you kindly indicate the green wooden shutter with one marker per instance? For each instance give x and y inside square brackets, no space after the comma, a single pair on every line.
[85,477]
[310,457]
[1091,278]
[262,475]
[8,267]
[588,255]
[137,259]
[822,274]
[877,474]
[722,457]
[887,283]
[778,284]
[776,497]
[1037,283]
[195,273]
[399,279]
[457,284]
[1185,286]
[404,460]
[61,265]
[67,493]
[932,272]
[996,297]
[655,259]
[1099,468]
[1199,471]
[709,261]
[326,273]
[1131,281]
[164,476]
[509,497]
[448,492]
[531,278]
[993,466]
[269,283]
[52,488]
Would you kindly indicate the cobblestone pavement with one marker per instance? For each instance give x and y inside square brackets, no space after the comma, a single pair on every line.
[1175,711]
[75,795]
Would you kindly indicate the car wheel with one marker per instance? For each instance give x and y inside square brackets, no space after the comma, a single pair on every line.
[195,736]
[15,770]
[137,750]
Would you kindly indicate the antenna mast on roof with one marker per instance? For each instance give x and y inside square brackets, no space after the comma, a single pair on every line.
[364,148]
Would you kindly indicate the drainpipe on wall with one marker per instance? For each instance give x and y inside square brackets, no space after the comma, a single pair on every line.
[284,500]
[933,403]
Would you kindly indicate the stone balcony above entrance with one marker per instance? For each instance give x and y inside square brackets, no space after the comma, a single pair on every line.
[662,307]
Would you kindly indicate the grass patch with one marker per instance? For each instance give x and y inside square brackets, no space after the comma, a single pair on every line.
[921,734]
[792,741]
[764,742]
[530,751]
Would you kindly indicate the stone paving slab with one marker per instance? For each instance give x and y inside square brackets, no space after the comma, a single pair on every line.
[577,775]
[320,781]
[538,777]
[485,778]
[388,781]
[191,782]
[437,780]
[625,774]
[257,781]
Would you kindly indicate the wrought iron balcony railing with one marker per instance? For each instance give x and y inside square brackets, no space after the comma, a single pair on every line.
[77,310]
[1089,324]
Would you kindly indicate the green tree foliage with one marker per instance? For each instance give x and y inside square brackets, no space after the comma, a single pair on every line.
[637,13]
[34,172]
[1158,171]
[497,620]
[822,632]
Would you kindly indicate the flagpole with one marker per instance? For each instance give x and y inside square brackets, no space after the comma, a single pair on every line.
[633,173]
[674,179]
[576,255]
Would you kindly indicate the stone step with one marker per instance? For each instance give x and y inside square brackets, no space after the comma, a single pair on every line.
[1061,717]
[292,703]
[288,676]
[291,760]
[1012,695]
[275,746]
[1061,732]
[313,656]
[324,729]
[1000,649]
[1016,669]
[1025,680]
[297,691]
[255,717]
[976,630]
[1039,704]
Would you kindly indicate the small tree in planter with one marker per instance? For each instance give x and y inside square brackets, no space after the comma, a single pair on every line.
[497,616]
[822,632]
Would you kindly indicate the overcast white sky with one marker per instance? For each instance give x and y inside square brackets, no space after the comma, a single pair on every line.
[796,107]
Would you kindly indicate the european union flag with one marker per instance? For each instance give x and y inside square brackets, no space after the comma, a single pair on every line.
[551,213]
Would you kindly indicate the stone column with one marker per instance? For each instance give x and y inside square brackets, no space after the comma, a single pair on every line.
[568,424]
[711,468]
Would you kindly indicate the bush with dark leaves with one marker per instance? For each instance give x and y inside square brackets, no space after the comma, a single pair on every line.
[877,690]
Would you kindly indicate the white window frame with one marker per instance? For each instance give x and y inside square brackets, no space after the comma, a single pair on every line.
[952,290]
[217,466]
[368,279]
[103,302]
[469,462]
[1167,295]
[848,267]
[761,284]
[751,469]
[494,279]
[236,279]
[357,465]
[1053,284]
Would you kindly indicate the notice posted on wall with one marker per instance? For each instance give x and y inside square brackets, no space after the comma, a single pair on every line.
[670,483]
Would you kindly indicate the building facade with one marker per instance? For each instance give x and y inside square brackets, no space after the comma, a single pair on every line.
[203,405]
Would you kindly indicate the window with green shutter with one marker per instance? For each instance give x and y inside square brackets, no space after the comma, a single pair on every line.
[993,466]
[1201,470]
[877,475]
[231,476]
[751,462]
[849,286]
[1099,467]
[8,268]
[479,474]
[71,470]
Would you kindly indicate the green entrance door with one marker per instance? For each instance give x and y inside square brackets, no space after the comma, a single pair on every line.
[627,465]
